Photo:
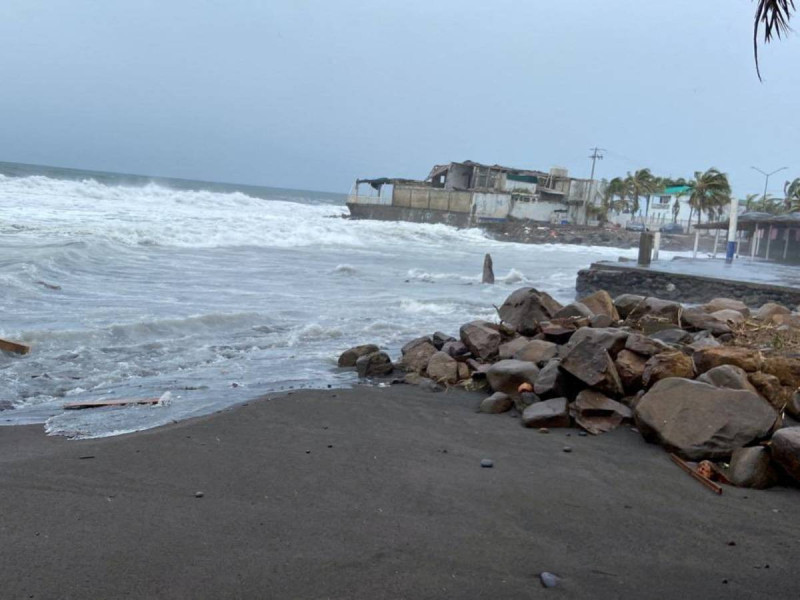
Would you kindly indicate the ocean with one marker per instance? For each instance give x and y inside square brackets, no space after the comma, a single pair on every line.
[208,295]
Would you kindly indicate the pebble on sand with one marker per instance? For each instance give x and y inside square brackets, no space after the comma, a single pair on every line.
[548,579]
[487,463]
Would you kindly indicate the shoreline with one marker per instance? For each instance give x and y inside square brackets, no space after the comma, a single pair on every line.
[376,492]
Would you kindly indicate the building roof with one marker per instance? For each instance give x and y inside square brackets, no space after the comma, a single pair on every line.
[751,219]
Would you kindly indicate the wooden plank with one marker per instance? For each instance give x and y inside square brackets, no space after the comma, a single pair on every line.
[109,402]
[704,480]
[14,347]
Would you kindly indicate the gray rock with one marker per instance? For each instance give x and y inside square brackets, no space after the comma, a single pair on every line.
[487,463]
[598,413]
[549,413]
[416,341]
[726,304]
[376,364]
[601,321]
[625,304]
[576,309]
[496,403]
[699,421]
[752,468]
[696,318]
[549,580]
[439,339]
[728,376]
[672,336]
[646,346]
[416,357]
[349,357]
[785,450]
[551,382]
[526,308]
[507,375]
[611,339]
[482,338]
[590,363]
[488,271]
[537,351]
[733,318]
[664,310]
[455,349]
[508,349]
[769,310]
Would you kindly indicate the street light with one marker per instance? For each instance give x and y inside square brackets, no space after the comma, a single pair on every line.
[766,180]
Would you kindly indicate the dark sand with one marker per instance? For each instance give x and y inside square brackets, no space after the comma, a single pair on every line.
[398,507]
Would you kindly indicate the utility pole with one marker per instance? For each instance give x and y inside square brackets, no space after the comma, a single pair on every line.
[596,155]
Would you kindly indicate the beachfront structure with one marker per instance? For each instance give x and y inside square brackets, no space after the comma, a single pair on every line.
[659,209]
[467,193]
[761,235]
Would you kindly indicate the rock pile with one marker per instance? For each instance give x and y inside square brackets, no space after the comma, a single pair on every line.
[689,378]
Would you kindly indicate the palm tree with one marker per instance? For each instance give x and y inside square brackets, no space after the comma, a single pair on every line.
[774,15]
[709,192]
[641,183]
[751,202]
[791,192]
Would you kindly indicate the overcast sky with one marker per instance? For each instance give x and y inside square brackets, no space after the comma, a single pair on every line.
[313,93]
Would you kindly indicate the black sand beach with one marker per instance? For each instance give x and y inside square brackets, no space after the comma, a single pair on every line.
[377,493]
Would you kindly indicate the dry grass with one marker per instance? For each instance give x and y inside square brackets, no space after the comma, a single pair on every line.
[770,338]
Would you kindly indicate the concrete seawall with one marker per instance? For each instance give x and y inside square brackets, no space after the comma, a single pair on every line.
[415,215]
[621,278]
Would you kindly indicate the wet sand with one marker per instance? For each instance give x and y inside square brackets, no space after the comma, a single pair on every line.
[377,493]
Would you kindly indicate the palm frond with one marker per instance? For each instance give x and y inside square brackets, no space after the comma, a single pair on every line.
[773,16]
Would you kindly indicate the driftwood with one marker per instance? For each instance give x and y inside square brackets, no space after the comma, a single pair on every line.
[14,347]
[109,402]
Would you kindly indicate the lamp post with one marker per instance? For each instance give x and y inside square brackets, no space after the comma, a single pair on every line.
[766,179]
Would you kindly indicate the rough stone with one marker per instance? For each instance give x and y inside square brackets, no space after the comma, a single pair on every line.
[646,346]
[601,321]
[463,371]
[785,368]
[726,304]
[630,367]
[557,334]
[349,357]
[374,365]
[507,375]
[769,310]
[663,310]
[549,413]
[576,309]
[508,349]
[496,403]
[728,376]
[524,309]
[625,304]
[706,359]
[793,404]
[551,382]
[600,303]
[785,450]
[611,339]
[672,335]
[695,318]
[537,351]
[456,349]
[443,368]
[482,339]
[439,339]
[733,318]
[598,413]
[769,387]
[417,356]
[752,468]
[590,363]
[699,421]
[415,342]
[667,364]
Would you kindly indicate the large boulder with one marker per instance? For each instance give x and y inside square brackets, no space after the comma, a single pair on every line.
[600,303]
[726,304]
[482,338]
[630,367]
[785,368]
[496,403]
[415,359]
[590,363]
[443,368]
[625,303]
[552,382]
[728,376]
[646,346]
[550,413]
[415,342]
[575,309]
[667,364]
[769,310]
[656,309]
[507,375]
[439,339]
[785,449]
[376,364]
[508,349]
[349,357]
[744,358]
[700,421]
[597,413]
[695,318]
[752,468]
[537,351]
[456,349]
[524,309]
[611,339]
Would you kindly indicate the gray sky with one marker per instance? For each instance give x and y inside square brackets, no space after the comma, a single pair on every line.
[310,94]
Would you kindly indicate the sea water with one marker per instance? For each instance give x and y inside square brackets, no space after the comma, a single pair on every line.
[127,287]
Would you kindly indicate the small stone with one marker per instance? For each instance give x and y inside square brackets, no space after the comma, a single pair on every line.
[567,449]
[199,494]
[582,433]
[544,430]
[487,463]
[549,580]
